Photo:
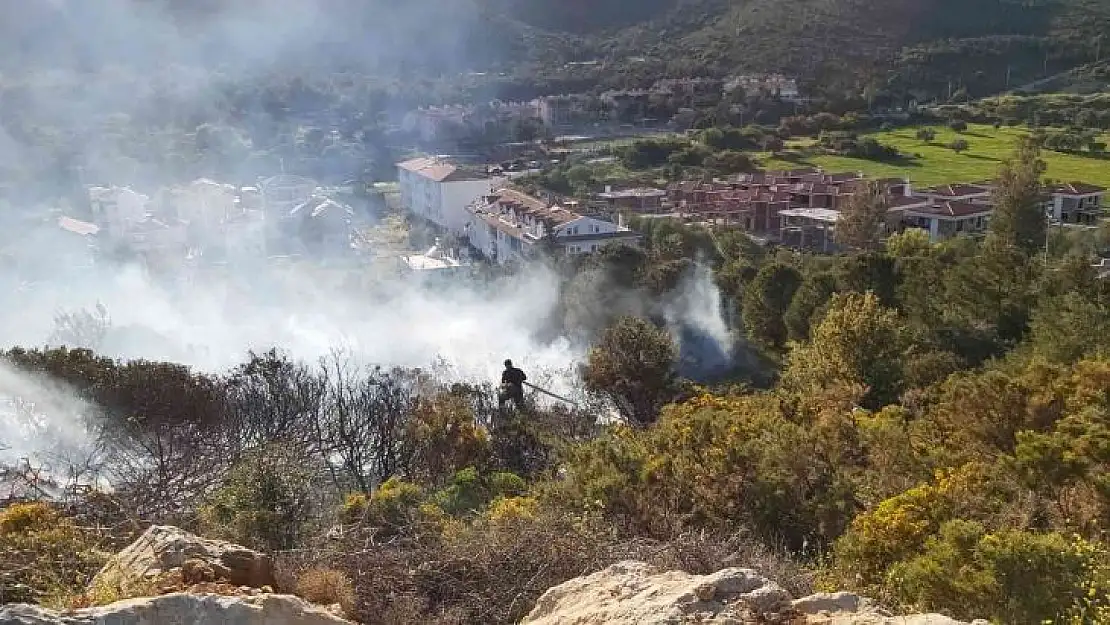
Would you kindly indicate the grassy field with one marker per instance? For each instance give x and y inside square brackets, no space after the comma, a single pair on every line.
[937,164]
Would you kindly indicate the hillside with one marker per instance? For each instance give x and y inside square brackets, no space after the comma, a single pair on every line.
[923,48]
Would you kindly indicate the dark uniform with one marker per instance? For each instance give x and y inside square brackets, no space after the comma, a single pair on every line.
[512,386]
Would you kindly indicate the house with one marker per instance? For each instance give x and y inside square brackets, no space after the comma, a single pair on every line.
[322,226]
[507,225]
[946,219]
[439,191]
[783,87]
[808,227]
[284,192]
[157,237]
[566,110]
[640,200]
[203,202]
[1075,203]
[117,209]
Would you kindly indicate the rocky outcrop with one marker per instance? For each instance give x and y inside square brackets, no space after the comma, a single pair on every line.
[181,609]
[163,550]
[636,593]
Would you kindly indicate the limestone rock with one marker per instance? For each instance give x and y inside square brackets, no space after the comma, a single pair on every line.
[873,618]
[181,609]
[830,602]
[636,593]
[162,549]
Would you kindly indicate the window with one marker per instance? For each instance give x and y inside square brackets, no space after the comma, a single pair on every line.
[596,229]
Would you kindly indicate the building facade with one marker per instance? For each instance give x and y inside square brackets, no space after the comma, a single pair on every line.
[440,192]
[509,225]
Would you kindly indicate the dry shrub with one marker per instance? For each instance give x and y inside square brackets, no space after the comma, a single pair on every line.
[326,586]
[493,572]
[703,553]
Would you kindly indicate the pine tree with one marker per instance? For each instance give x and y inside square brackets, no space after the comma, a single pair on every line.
[862,221]
[1019,218]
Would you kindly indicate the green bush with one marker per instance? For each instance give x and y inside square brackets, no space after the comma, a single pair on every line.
[267,501]
[1009,576]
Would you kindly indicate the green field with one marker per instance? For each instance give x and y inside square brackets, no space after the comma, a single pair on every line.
[937,164]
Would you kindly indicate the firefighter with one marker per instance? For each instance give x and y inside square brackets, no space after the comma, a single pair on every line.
[512,386]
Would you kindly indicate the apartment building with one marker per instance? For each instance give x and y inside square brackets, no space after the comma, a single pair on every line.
[508,225]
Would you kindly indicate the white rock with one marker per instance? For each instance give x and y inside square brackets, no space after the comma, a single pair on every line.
[830,602]
[163,548]
[635,593]
[180,609]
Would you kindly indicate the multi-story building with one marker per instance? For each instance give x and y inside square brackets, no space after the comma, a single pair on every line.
[1075,203]
[439,192]
[508,225]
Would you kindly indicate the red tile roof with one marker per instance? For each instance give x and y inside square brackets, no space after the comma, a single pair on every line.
[522,203]
[437,170]
[77,226]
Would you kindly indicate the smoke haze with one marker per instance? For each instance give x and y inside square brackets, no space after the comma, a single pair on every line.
[78,76]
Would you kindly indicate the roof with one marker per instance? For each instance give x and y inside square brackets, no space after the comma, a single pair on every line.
[953,209]
[287,180]
[77,226]
[606,236]
[523,204]
[956,190]
[437,170]
[901,201]
[1078,188]
[627,193]
[817,214]
[321,206]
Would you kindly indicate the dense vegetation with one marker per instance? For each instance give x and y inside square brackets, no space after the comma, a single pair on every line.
[926,423]
[901,48]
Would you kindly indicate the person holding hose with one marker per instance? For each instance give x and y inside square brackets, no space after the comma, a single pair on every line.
[512,386]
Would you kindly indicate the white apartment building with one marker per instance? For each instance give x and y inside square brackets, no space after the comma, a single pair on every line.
[507,225]
[440,192]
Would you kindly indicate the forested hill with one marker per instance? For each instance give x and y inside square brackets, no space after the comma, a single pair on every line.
[904,45]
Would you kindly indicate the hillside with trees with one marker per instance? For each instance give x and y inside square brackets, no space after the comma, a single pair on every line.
[904,48]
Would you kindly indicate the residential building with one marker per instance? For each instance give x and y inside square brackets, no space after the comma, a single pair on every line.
[244,235]
[117,209]
[508,225]
[639,200]
[284,192]
[440,192]
[203,202]
[567,110]
[1075,203]
[946,219]
[972,193]
[778,85]
[155,237]
[322,226]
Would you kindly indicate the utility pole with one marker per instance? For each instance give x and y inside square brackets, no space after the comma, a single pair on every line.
[1008,68]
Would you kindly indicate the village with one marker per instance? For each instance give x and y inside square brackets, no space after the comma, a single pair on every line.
[797,208]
